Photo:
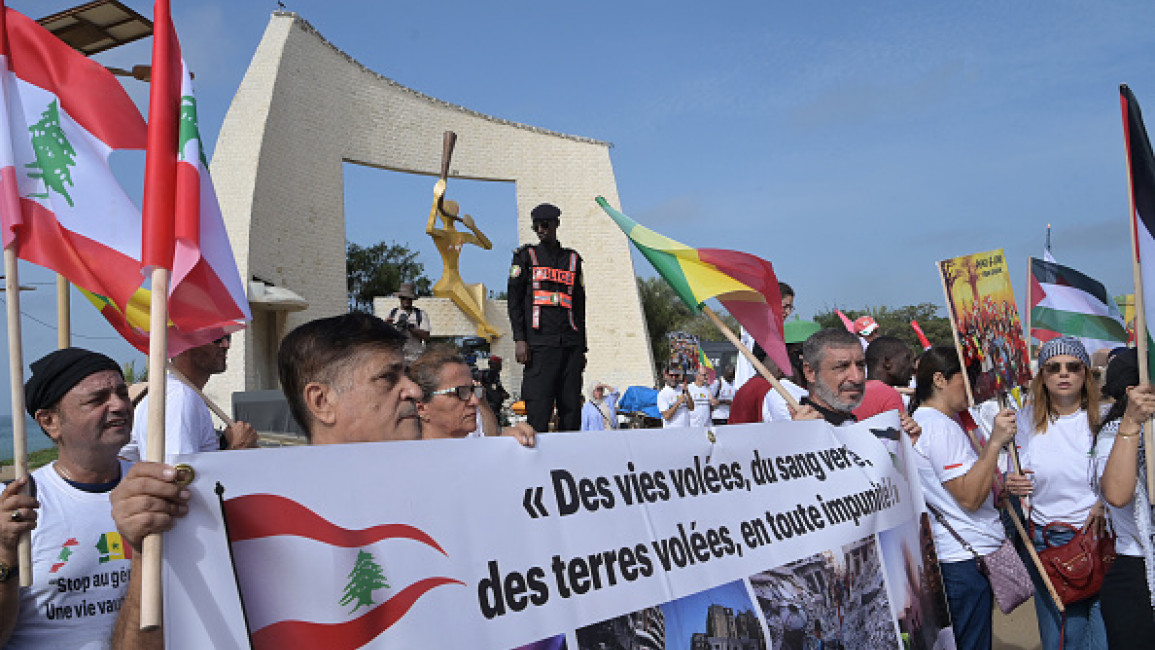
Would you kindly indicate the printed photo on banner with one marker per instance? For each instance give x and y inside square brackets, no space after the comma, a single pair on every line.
[917,595]
[722,617]
[834,599]
[982,311]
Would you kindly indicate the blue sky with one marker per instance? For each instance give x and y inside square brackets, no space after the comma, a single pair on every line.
[852,144]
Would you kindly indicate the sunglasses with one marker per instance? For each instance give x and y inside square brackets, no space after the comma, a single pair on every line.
[1055,367]
[462,392]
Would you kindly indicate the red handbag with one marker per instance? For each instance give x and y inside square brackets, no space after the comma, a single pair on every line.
[1076,569]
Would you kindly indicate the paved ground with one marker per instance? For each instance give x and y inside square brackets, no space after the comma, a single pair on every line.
[1019,631]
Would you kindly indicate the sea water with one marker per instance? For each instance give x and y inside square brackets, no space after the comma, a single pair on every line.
[36,438]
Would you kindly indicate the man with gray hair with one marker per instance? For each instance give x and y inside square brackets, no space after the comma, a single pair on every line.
[835,368]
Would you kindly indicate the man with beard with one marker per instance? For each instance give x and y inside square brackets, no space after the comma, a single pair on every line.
[835,369]
[188,424]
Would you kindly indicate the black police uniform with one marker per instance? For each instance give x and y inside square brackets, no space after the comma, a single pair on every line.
[547,310]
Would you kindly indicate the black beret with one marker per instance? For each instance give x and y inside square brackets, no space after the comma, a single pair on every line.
[55,374]
[1122,371]
[545,211]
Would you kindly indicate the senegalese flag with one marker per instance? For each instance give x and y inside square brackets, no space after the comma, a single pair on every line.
[1065,302]
[1141,163]
[112,547]
[744,284]
[133,322]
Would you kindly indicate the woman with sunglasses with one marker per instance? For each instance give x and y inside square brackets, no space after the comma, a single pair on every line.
[956,476]
[452,401]
[1127,592]
[1055,442]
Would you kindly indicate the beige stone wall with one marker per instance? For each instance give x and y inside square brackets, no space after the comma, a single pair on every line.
[304,108]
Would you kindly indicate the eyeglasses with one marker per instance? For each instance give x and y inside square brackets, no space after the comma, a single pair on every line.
[462,392]
[1055,367]
[787,310]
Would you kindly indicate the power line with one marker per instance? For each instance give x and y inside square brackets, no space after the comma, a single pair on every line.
[57,329]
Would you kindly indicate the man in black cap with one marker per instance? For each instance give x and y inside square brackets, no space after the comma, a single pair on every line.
[547,313]
[81,402]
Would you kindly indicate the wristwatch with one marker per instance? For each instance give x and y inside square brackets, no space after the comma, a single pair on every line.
[6,572]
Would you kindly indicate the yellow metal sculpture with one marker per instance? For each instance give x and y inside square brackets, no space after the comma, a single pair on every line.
[470,298]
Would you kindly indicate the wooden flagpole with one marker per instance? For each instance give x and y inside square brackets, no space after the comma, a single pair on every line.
[1140,316]
[151,548]
[220,413]
[1014,452]
[16,376]
[63,313]
[758,365]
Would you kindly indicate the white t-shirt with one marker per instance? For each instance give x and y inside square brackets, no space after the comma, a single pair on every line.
[943,453]
[700,416]
[80,569]
[666,398]
[1128,540]
[1062,465]
[774,407]
[722,390]
[188,424]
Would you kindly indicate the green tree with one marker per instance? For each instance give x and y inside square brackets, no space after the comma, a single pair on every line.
[365,578]
[895,322]
[666,313]
[54,154]
[379,270]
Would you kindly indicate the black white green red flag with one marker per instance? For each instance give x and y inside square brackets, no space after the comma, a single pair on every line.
[1141,164]
[1065,302]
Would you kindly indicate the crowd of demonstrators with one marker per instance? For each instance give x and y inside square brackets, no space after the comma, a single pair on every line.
[600,412]
[992,346]
[188,423]
[81,402]
[1055,439]
[721,395]
[674,402]
[957,481]
[1127,594]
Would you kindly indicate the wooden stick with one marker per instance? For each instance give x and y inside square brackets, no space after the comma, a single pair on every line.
[1140,321]
[63,313]
[220,413]
[151,548]
[16,380]
[1027,541]
[954,332]
[758,365]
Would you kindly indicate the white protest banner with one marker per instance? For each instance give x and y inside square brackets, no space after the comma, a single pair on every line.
[484,544]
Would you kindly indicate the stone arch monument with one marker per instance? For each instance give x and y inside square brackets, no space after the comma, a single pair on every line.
[303,109]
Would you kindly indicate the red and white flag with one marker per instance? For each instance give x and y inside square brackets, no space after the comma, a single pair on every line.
[183,227]
[61,116]
[360,582]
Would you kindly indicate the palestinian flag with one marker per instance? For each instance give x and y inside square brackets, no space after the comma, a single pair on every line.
[183,228]
[1141,164]
[61,116]
[360,582]
[1065,302]
[744,284]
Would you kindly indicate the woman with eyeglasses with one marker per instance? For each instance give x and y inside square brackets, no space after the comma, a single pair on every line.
[452,401]
[1056,450]
[956,475]
[1126,595]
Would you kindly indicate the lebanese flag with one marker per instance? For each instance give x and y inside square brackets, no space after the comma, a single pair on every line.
[1065,302]
[61,116]
[1141,164]
[183,227]
[308,583]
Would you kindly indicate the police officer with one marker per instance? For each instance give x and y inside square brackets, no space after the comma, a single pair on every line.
[547,313]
